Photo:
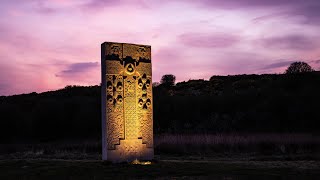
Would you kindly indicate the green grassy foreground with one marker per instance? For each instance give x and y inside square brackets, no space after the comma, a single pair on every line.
[169,168]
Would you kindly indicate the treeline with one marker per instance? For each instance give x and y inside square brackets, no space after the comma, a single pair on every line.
[240,103]
[237,104]
[72,112]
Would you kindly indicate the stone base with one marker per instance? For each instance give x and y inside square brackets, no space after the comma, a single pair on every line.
[129,150]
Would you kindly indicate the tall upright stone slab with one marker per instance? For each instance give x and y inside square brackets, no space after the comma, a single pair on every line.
[127,120]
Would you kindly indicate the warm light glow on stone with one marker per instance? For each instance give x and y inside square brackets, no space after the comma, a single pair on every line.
[127,125]
[136,161]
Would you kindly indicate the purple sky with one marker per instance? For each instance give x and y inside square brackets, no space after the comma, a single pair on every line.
[48,44]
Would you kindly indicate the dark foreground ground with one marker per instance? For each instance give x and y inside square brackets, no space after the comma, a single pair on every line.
[163,168]
[201,156]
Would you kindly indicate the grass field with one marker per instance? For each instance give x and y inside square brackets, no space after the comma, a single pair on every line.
[294,144]
[162,169]
[258,143]
[225,157]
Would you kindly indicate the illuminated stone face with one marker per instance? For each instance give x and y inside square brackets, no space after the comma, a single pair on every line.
[127,125]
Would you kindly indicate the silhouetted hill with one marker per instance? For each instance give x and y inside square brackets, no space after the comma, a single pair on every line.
[240,103]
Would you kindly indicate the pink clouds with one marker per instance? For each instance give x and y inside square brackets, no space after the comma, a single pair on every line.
[46,45]
[83,73]
[77,68]
[254,3]
[294,42]
[278,67]
[202,40]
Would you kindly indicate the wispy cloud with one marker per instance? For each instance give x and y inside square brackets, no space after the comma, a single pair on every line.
[316,61]
[284,63]
[205,40]
[253,3]
[76,69]
[294,42]
[310,13]
[99,4]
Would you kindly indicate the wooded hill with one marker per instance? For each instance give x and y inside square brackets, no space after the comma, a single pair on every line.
[237,104]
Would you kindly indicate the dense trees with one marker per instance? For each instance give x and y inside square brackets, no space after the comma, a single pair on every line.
[155,84]
[299,67]
[168,80]
[71,112]
[241,103]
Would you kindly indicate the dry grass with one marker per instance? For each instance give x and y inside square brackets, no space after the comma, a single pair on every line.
[178,144]
[237,143]
[232,139]
[90,149]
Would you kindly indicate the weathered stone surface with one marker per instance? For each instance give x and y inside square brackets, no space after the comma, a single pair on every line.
[127,124]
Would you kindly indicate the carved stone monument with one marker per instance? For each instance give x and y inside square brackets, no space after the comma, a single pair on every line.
[127,121]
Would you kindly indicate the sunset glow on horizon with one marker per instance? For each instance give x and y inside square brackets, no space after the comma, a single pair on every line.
[49,44]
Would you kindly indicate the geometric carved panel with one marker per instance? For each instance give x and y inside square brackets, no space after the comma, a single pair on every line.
[127,115]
